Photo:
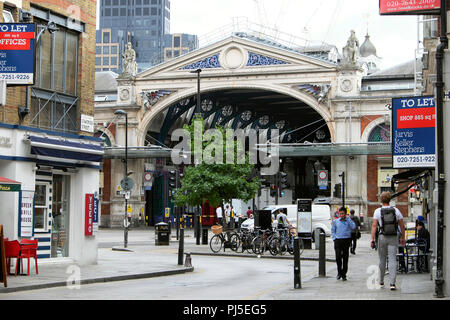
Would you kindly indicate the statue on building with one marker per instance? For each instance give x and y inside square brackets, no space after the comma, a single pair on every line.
[351,51]
[129,62]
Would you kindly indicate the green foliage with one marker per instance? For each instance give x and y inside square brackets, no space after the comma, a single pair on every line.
[218,181]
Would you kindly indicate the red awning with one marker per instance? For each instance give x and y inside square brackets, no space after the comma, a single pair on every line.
[9,181]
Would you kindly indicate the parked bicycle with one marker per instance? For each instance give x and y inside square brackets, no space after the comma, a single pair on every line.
[228,239]
[284,242]
[261,241]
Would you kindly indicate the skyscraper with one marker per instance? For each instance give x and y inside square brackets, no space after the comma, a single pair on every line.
[141,22]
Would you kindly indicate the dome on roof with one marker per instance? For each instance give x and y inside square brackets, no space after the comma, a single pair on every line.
[367,48]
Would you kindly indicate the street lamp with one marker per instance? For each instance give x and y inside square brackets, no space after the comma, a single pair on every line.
[125,221]
[198,217]
[198,89]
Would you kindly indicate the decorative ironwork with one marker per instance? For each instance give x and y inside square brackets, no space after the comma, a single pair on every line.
[263,120]
[150,98]
[227,111]
[255,59]
[207,105]
[319,91]
[280,124]
[207,63]
[246,115]
[381,133]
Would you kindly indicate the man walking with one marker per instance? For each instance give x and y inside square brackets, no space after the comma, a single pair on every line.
[355,232]
[388,219]
[341,233]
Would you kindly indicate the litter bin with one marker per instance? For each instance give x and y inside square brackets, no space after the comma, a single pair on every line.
[162,234]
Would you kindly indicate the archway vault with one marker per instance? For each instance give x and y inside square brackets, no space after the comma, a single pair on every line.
[207,89]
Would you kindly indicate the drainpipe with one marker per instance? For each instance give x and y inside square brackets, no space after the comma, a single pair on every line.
[439,281]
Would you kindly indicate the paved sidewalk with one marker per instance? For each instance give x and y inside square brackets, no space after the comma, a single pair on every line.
[146,260]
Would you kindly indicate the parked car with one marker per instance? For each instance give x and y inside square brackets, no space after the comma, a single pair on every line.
[321,217]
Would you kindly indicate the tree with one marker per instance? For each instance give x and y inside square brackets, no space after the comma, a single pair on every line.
[216,181]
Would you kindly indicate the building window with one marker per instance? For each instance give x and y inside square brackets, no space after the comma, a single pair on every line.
[105,50]
[98,50]
[41,206]
[8,16]
[105,37]
[55,107]
[105,61]
[138,11]
[381,133]
[114,50]
[154,11]
[113,61]
[176,42]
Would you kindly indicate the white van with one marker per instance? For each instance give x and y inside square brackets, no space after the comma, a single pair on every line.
[321,217]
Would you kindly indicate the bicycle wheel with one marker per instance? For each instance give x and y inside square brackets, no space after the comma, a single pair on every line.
[283,247]
[256,245]
[274,246]
[216,243]
[235,242]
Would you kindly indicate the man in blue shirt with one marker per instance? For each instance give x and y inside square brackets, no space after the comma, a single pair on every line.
[341,232]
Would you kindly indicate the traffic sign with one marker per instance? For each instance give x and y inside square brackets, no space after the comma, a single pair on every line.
[322,179]
[127,184]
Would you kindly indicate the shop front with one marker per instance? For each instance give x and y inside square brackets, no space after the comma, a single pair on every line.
[58,174]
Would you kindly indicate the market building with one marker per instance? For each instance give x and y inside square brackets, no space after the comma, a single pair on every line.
[46,133]
[331,115]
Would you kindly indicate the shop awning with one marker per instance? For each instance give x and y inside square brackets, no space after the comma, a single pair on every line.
[410,175]
[65,150]
[9,185]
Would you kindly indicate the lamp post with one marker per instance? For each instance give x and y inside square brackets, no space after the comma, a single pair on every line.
[198,112]
[125,221]
[198,71]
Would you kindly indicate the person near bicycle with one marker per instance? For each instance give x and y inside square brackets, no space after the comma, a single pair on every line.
[283,224]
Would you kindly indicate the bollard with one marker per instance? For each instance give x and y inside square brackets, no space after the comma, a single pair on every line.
[198,229]
[188,262]
[204,236]
[297,269]
[181,247]
[322,254]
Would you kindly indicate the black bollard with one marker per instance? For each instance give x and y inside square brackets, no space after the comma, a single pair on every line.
[181,247]
[199,228]
[322,254]
[297,269]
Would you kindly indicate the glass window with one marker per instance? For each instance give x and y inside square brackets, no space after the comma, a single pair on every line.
[40,207]
[123,12]
[138,11]
[107,12]
[105,61]
[58,63]
[7,16]
[114,49]
[98,50]
[105,37]
[71,63]
[45,60]
[60,214]
[113,61]
[105,50]
[176,41]
[154,11]
[98,61]
[146,11]
[115,12]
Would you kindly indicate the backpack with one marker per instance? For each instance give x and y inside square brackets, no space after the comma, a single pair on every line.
[389,222]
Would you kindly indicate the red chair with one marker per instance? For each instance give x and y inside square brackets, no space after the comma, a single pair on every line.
[12,250]
[28,249]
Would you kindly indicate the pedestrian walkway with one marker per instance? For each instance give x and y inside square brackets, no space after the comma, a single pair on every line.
[143,259]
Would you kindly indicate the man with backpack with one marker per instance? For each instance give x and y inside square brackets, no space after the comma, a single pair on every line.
[388,219]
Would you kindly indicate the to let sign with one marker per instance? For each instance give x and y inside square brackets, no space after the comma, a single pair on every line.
[413,132]
[413,7]
[17,53]
[89,215]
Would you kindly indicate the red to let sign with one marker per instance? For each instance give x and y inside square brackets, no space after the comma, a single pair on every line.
[413,7]
[89,214]
[416,118]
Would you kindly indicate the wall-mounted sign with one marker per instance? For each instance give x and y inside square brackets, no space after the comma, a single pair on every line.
[413,132]
[17,53]
[89,215]
[26,214]
[87,123]
[413,7]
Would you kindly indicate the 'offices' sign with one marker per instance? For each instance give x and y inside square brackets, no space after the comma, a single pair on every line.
[17,53]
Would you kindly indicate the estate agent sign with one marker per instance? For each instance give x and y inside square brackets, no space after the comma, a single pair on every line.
[17,53]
